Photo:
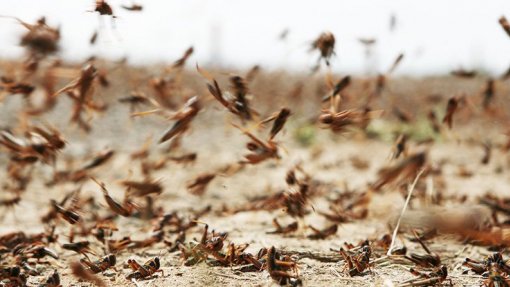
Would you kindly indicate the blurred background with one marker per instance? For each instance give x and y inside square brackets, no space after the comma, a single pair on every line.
[435,36]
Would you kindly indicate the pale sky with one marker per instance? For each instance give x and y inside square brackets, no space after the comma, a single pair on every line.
[436,36]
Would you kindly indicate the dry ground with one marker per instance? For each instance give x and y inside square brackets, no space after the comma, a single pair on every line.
[328,158]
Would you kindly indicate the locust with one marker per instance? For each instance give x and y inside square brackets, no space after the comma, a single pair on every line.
[148,269]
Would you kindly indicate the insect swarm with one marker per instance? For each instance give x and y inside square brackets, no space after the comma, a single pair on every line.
[158,179]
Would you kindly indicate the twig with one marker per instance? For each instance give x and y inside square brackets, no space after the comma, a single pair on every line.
[410,192]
